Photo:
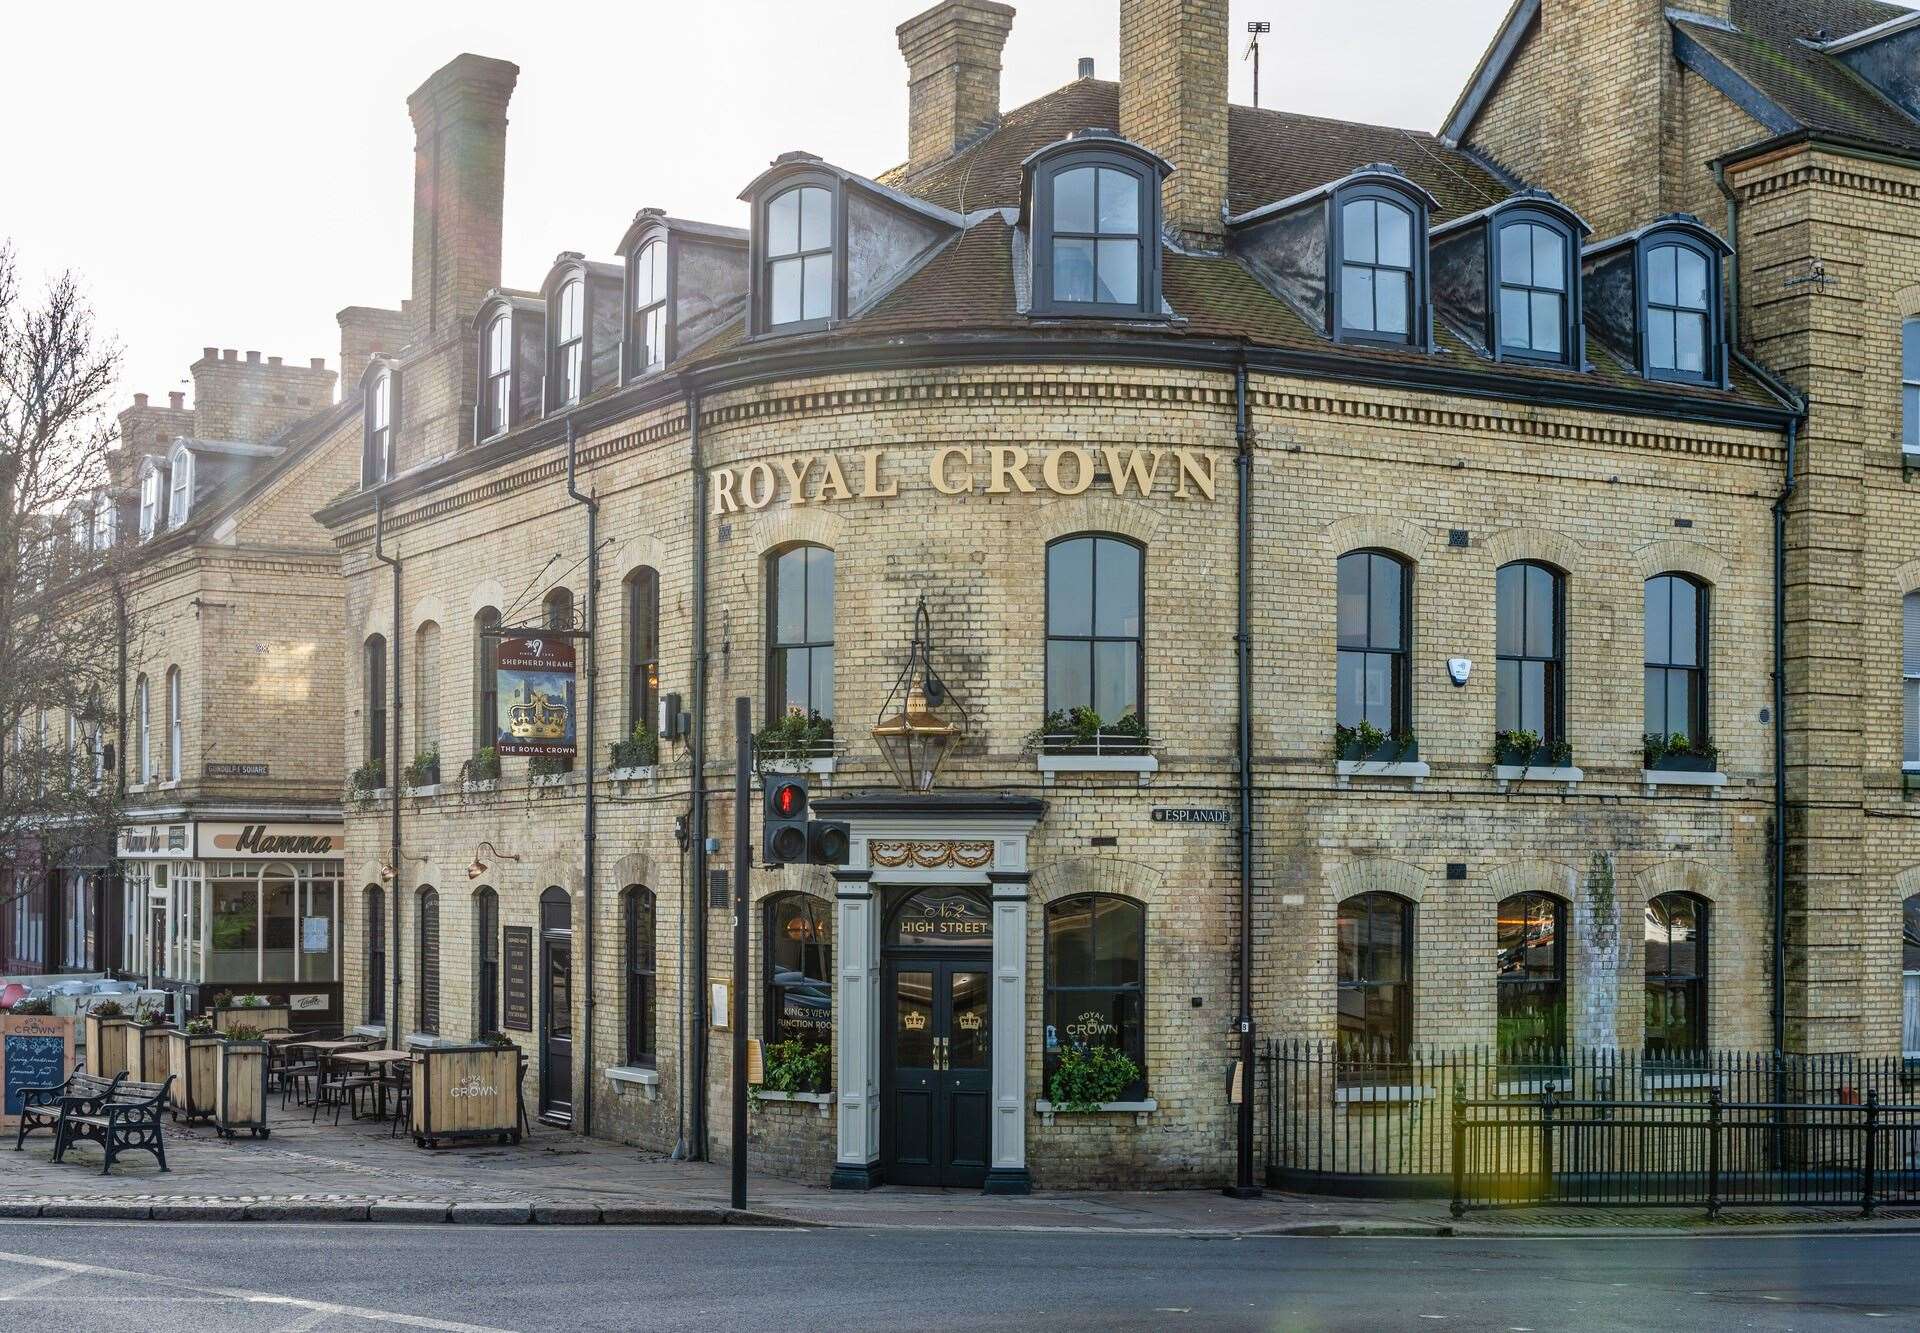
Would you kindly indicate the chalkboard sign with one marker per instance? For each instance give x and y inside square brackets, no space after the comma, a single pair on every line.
[35,1052]
[518,964]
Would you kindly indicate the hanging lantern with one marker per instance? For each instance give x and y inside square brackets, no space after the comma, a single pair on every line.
[915,740]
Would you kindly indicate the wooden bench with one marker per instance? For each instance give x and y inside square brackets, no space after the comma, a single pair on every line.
[126,1120]
[40,1108]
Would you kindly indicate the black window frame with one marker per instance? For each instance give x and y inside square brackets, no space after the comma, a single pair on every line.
[1696,982]
[1393,1047]
[373,667]
[1134,1043]
[1519,984]
[641,973]
[1554,710]
[1147,173]
[1419,333]
[486,960]
[427,960]
[557,608]
[772,990]
[1714,352]
[1049,638]
[776,676]
[1571,323]
[760,281]
[373,906]
[1699,687]
[641,589]
[486,683]
[1401,705]
[632,366]
[1910,385]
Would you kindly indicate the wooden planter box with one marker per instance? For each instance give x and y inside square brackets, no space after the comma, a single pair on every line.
[240,1096]
[113,1047]
[196,1063]
[265,1018]
[466,1092]
[152,1043]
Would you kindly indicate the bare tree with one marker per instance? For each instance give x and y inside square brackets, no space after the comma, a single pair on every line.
[62,621]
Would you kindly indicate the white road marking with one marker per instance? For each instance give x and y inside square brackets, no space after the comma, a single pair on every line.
[304,1322]
[32,1284]
[67,1268]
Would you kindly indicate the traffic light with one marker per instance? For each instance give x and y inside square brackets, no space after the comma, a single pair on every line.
[784,837]
[827,843]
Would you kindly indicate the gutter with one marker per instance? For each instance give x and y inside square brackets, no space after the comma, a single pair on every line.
[693,1000]
[592,701]
[394,946]
[1244,1186]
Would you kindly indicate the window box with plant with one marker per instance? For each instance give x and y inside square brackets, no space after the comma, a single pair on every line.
[795,1070]
[798,742]
[1079,740]
[1365,751]
[1090,1079]
[482,772]
[550,770]
[424,771]
[1679,753]
[369,781]
[1522,756]
[636,755]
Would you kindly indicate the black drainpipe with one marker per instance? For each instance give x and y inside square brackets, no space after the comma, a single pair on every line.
[1244,1186]
[1780,749]
[395,944]
[696,1077]
[592,703]
[120,730]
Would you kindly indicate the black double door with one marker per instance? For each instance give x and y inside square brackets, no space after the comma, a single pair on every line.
[939,1071]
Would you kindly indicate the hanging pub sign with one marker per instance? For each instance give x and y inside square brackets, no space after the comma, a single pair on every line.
[534,683]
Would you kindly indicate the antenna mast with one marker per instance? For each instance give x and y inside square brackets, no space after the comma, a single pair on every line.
[1257,27]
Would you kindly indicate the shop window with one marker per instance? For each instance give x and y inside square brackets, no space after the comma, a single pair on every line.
[637,906]
[233,928]
[282,904]
[486,696]
[1676,972]
[643,648]
[373,926]
[1676,647]
[486,953]
[1531,971]
[1910,977]
[427,945]
[1529,666]
[800,632]
[1096,589]
[1373,683]
[799,980]
[1374,941]
[1096,982]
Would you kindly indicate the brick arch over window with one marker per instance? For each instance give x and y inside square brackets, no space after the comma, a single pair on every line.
[816,881]
[1907,302]
[1362,533]
[1672,556]
[557,873]
[1677,877]
[1549,877]
[429,608]
[647,552]
[1112,875]
[1537,544]
[810,526]
[1095,513]
[634,868]
[486,593]
[1377,874]
[1906,883]
[1907,577]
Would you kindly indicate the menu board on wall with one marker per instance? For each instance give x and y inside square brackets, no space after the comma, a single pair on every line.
[517,962]
[36,1051]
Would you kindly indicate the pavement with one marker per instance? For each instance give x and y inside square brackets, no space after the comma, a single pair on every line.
[358,1172]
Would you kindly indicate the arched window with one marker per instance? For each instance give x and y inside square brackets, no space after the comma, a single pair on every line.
[1531,970]
[799,982]
[1373,683]
[643,647]
[150,513]
[799,243]
[1374,940]
[556,609]
[1676,968]
[1676,646]
[173,724]
[647,280]
[486,696]
[1680,310]
[1094,213]
[569,342]
[637,906]
[427,1003]
[426,690]
[1381,240]
[1910,977]
[143,731]
[1096,589]
[373,925]
[180,487]
[486,957]
[373,672]
[1530,679]
[376,457]
[497,370]
[800,632]
[1534,309]
[1910,386]
[1096,981]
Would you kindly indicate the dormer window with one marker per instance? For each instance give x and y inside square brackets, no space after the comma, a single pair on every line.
[569,342]
[1505,279]
[509,331]
[496,352]
[1381,239]
[180,495]
[1093,210]
[1654,295]
[647,280]
[103,523]
[1679,311]
[799,263]
[150,489]
[583,329]
[376,450]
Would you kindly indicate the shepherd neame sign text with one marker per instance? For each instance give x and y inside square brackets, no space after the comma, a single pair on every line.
[962,469]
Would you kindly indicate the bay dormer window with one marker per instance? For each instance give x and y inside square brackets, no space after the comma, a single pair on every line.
[583,329]
[509,329]
[382,390]
[496,353]
[647,331]
[799,265]
[1092,209]
[1508,279]
[180,486]
[685,281]
[104,525]
[1656,297]
[570,342]
[151,488]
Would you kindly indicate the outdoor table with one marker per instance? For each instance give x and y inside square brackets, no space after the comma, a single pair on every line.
[328,1048]
[375,1060]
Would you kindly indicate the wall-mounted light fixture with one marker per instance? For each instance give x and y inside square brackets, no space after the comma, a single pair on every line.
[480,867]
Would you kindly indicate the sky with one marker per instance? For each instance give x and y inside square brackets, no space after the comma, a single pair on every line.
[231,175]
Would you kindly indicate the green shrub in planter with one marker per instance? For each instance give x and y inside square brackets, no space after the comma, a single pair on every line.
[796,736]
[424,771]
[640,750]
[39,1007]
[797,1066]
[1091,1076]
[484,766]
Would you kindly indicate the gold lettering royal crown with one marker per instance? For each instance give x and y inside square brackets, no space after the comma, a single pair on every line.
[913,1020]
[539,718]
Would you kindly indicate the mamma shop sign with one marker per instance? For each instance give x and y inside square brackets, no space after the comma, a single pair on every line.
[963,469]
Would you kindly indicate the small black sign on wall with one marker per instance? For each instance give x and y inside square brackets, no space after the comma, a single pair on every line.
[517,964]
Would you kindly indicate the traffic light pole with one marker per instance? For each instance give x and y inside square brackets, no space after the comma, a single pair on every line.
[742,868]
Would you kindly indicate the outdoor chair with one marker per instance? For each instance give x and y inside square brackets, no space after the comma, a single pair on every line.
[40,1107]
[128,1119]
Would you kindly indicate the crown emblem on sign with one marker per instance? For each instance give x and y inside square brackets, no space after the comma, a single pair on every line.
[970,1022]
[914,1021]
[538,718]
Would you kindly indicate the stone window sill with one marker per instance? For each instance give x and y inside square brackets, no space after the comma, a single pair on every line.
[632,1076]
[1139,1110]
[427,1041]
[431,789]
[483,786]
[1381,1093]
[1668,777]
[556,780]
[174,785]
[1145,765]
[369,795]
[821,767]
[822,1101]
[370,1030]
[1508,774]
[642,773]
[1413,771]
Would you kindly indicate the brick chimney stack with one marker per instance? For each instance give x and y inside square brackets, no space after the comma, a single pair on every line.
[1173,99]
[953,75]
[459,185]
